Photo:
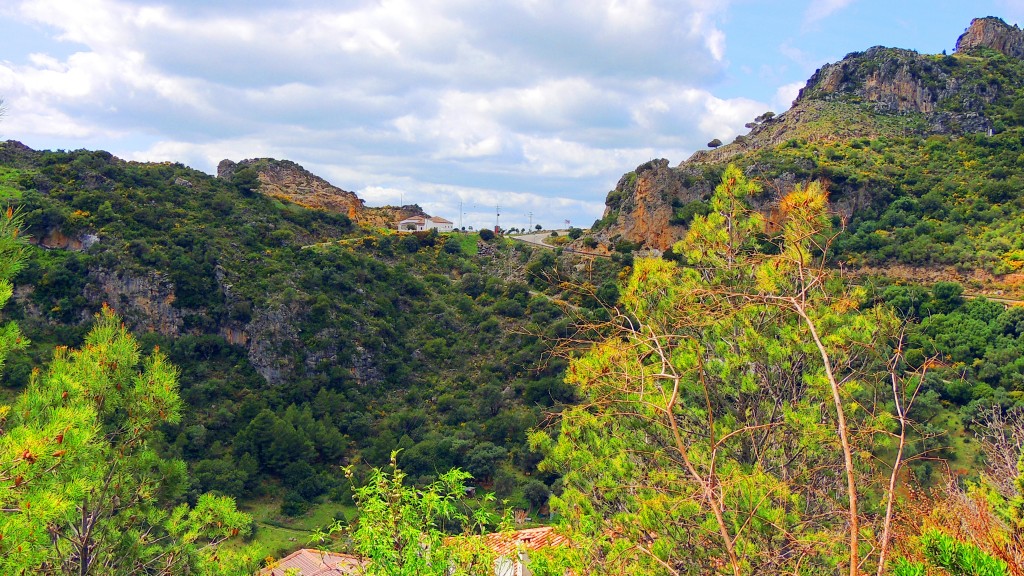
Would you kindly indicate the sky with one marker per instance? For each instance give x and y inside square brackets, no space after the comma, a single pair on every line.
[528,108]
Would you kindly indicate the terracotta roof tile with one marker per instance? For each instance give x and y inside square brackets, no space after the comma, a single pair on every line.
[316,563]
[506,543]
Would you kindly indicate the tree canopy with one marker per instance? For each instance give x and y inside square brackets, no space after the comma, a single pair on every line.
[729,400]
[82,490]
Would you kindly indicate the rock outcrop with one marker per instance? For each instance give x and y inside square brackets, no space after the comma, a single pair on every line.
[56,239]
[145,302]
[865,95]
[286,180]
[643,200]
[289,181]
[994,33]
[272,340]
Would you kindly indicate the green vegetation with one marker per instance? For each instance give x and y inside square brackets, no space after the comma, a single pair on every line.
[744,409]
[716,398]
[277,534]
[303,342]
[723,394]
[82,488]
[913,196]
[403,531]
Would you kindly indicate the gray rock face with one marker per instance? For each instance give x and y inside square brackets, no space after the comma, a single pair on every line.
[146,302]
[992,33]
[226,168]
[899,81]
[852,98]
[273,342]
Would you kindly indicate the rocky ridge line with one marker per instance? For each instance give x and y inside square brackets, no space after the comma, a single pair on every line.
[287,180]
[864,89]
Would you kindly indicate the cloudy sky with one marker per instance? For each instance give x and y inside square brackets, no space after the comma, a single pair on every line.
[534,105]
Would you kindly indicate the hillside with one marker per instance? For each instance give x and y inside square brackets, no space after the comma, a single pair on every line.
[305,340]
[735,403]
[920,153]
[286,180]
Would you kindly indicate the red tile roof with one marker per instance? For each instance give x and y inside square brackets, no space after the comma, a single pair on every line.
[508,543]
[316,563]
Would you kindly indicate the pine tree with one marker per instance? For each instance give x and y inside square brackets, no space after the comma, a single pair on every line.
[722,428]
[82,491]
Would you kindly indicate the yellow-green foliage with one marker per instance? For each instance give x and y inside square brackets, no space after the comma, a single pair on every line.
[81,490]
[707,416]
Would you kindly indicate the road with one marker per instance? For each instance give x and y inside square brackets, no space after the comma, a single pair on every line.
[537,239]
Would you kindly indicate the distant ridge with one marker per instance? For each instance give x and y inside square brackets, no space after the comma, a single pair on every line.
[868,98]
[287,180]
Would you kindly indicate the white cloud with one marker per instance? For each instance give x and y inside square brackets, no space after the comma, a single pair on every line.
[525,100]
[821,9]
[727,117]
[573,159]
[204,156]
[785,95]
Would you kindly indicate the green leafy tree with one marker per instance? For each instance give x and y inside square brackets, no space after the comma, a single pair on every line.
[405,531]
[246,179]
[955,557]
[81,489]
[724,405]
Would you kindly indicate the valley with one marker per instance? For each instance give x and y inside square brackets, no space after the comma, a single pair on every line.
[796,352]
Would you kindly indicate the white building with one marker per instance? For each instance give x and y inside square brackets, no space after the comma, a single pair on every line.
[423,224]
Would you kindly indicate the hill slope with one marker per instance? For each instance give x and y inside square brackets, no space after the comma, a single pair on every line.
[304,340]
[921,154]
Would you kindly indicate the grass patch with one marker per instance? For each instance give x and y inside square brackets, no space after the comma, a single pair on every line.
[9,187]
[279,535]
[468,242]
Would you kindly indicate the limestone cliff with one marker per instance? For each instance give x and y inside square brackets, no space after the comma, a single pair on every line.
[878,92]
[145,301]
[289,181]
[992,33]
[642,204]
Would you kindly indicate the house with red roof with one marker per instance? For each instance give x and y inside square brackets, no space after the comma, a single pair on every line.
[425,224]
[309,562]
[512,549]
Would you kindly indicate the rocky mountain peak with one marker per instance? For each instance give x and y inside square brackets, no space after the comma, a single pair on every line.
[994,33]
[878,92]
[287,180]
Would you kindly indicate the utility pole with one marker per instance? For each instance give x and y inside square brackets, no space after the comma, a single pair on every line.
[530,229]
[460,214]
[497,217]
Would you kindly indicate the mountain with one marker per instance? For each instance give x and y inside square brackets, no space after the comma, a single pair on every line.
[920,154]
[286,180]
[306,336]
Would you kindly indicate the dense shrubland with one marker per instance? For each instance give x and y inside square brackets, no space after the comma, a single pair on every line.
[377,342]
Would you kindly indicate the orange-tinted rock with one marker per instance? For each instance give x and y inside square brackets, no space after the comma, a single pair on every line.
[286,180]
[995,34]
